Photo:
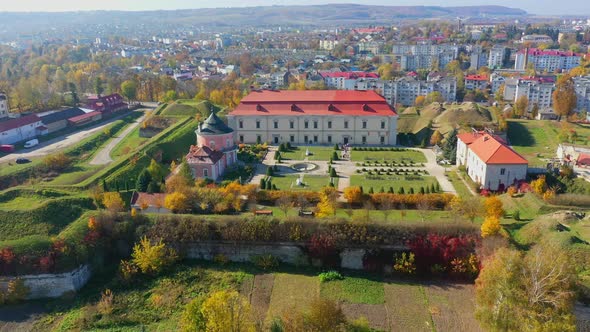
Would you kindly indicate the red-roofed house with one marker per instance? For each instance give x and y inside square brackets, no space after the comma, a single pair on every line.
[106,104]
[21,129]
[476,82]
[149,203]
[315,117]
[489,161]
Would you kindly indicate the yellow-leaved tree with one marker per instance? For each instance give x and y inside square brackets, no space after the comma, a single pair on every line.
[353,194]
[491,226]
[327,205]
[227,311]
[152,258]
[494,207]
[113,202]
[177,202]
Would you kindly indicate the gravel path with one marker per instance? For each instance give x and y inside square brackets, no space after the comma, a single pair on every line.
[103,156]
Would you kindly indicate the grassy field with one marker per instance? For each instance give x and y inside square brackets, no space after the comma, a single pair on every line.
[156,304]
[538,140]
[390,156]
[131,142]
[396,181]
[317,153]
[528,205]
[312,182]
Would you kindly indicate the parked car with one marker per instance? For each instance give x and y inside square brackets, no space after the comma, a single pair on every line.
[23,161]
[31,143]
[6,148]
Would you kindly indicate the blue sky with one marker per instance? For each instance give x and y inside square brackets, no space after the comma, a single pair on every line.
[576,7]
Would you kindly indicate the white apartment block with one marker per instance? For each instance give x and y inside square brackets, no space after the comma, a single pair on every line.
[582,87]
[497,56]
[547,60]
[407,89]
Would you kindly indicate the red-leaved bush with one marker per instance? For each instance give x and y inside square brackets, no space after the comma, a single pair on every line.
[441,250]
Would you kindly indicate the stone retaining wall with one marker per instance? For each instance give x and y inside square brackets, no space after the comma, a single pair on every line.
[52,285]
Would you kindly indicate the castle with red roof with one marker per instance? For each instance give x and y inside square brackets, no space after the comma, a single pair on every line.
[215,151]
[315,117]
[489,161]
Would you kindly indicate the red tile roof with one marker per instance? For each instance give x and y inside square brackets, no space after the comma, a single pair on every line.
[477,78]
[348,74]
[469,138]
[314,102]
[84,117]
[18,122]
[203,155]
[492,151]
[156,199]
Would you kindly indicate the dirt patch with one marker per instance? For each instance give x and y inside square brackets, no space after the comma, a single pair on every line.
[292,293]
[376,314]
[407,308]
[452,307]
[261,292]
[582,317]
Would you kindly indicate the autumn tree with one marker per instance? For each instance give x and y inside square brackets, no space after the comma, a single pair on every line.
[177,202]
[521,106]
[494,207]
[531,292]
[491,226]
[113,202]
[419,102]
[156,170]
[564,96]
[227,311]
[284,203]
[353,194]
[327,204]
[436,138]
[129,90]
[152,258]
[470,207]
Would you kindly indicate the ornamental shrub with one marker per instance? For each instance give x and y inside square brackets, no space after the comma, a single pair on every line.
[330,276]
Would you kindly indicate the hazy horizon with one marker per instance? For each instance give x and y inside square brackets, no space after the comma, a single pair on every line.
[540,7]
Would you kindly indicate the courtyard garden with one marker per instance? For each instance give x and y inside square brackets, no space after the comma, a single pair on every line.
[400,184]
[396,156]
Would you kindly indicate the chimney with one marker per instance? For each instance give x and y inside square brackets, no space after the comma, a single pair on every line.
[259,108]
[294,108]
[332,108]
[366,108]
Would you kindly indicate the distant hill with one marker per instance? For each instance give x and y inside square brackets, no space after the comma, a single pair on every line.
[316,15]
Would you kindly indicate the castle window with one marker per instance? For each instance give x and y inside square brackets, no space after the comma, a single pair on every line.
[205,173]
[257,124]
[241,124]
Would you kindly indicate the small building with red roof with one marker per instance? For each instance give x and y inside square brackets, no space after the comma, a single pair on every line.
[489,161]
[315,117]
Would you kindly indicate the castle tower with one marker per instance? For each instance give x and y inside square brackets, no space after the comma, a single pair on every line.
[3,105]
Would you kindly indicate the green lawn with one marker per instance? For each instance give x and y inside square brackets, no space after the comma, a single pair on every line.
[291,293]
[528,205]
[396,181]
[459,185]
[397,156]
[354,290]
[538,140]
[312,182]
[317,153]
[129,143]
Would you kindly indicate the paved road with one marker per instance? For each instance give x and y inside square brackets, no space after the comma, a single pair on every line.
[59,143]
[437,170]
[103,156]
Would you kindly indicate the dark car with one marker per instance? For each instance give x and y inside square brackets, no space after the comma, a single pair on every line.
[22,161]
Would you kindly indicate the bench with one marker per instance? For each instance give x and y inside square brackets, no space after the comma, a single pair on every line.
[306,213]
[263,212]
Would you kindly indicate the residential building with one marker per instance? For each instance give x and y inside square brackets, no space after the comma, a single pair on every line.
[537,89]
[216,149]
[3,106]
[422,56]
[582,88]
[315,117]
[547,60]
[476,82]
[497,57]
[407,89]
[344,80]
[149,203]
[536,39]
[478,59]
[106,104]
[489,161]
[21,129]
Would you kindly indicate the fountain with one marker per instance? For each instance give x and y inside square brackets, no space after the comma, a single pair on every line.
[304,167]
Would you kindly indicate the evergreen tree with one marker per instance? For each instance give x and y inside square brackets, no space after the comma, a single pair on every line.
[269,184]
[262,183]
[432,188]
[390,191]
[382,190]
[450,147]
[371,190]
[117,185]
[333,173]
[269,171]
[105,187]
[185,171]
[411,190]
[335,155]
[143,181]
[422,191]
[126,185]
[336,147]
[401,191]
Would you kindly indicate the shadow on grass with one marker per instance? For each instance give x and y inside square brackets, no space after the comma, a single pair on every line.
[519,135]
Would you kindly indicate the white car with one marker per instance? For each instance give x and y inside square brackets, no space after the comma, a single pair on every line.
[31,143]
